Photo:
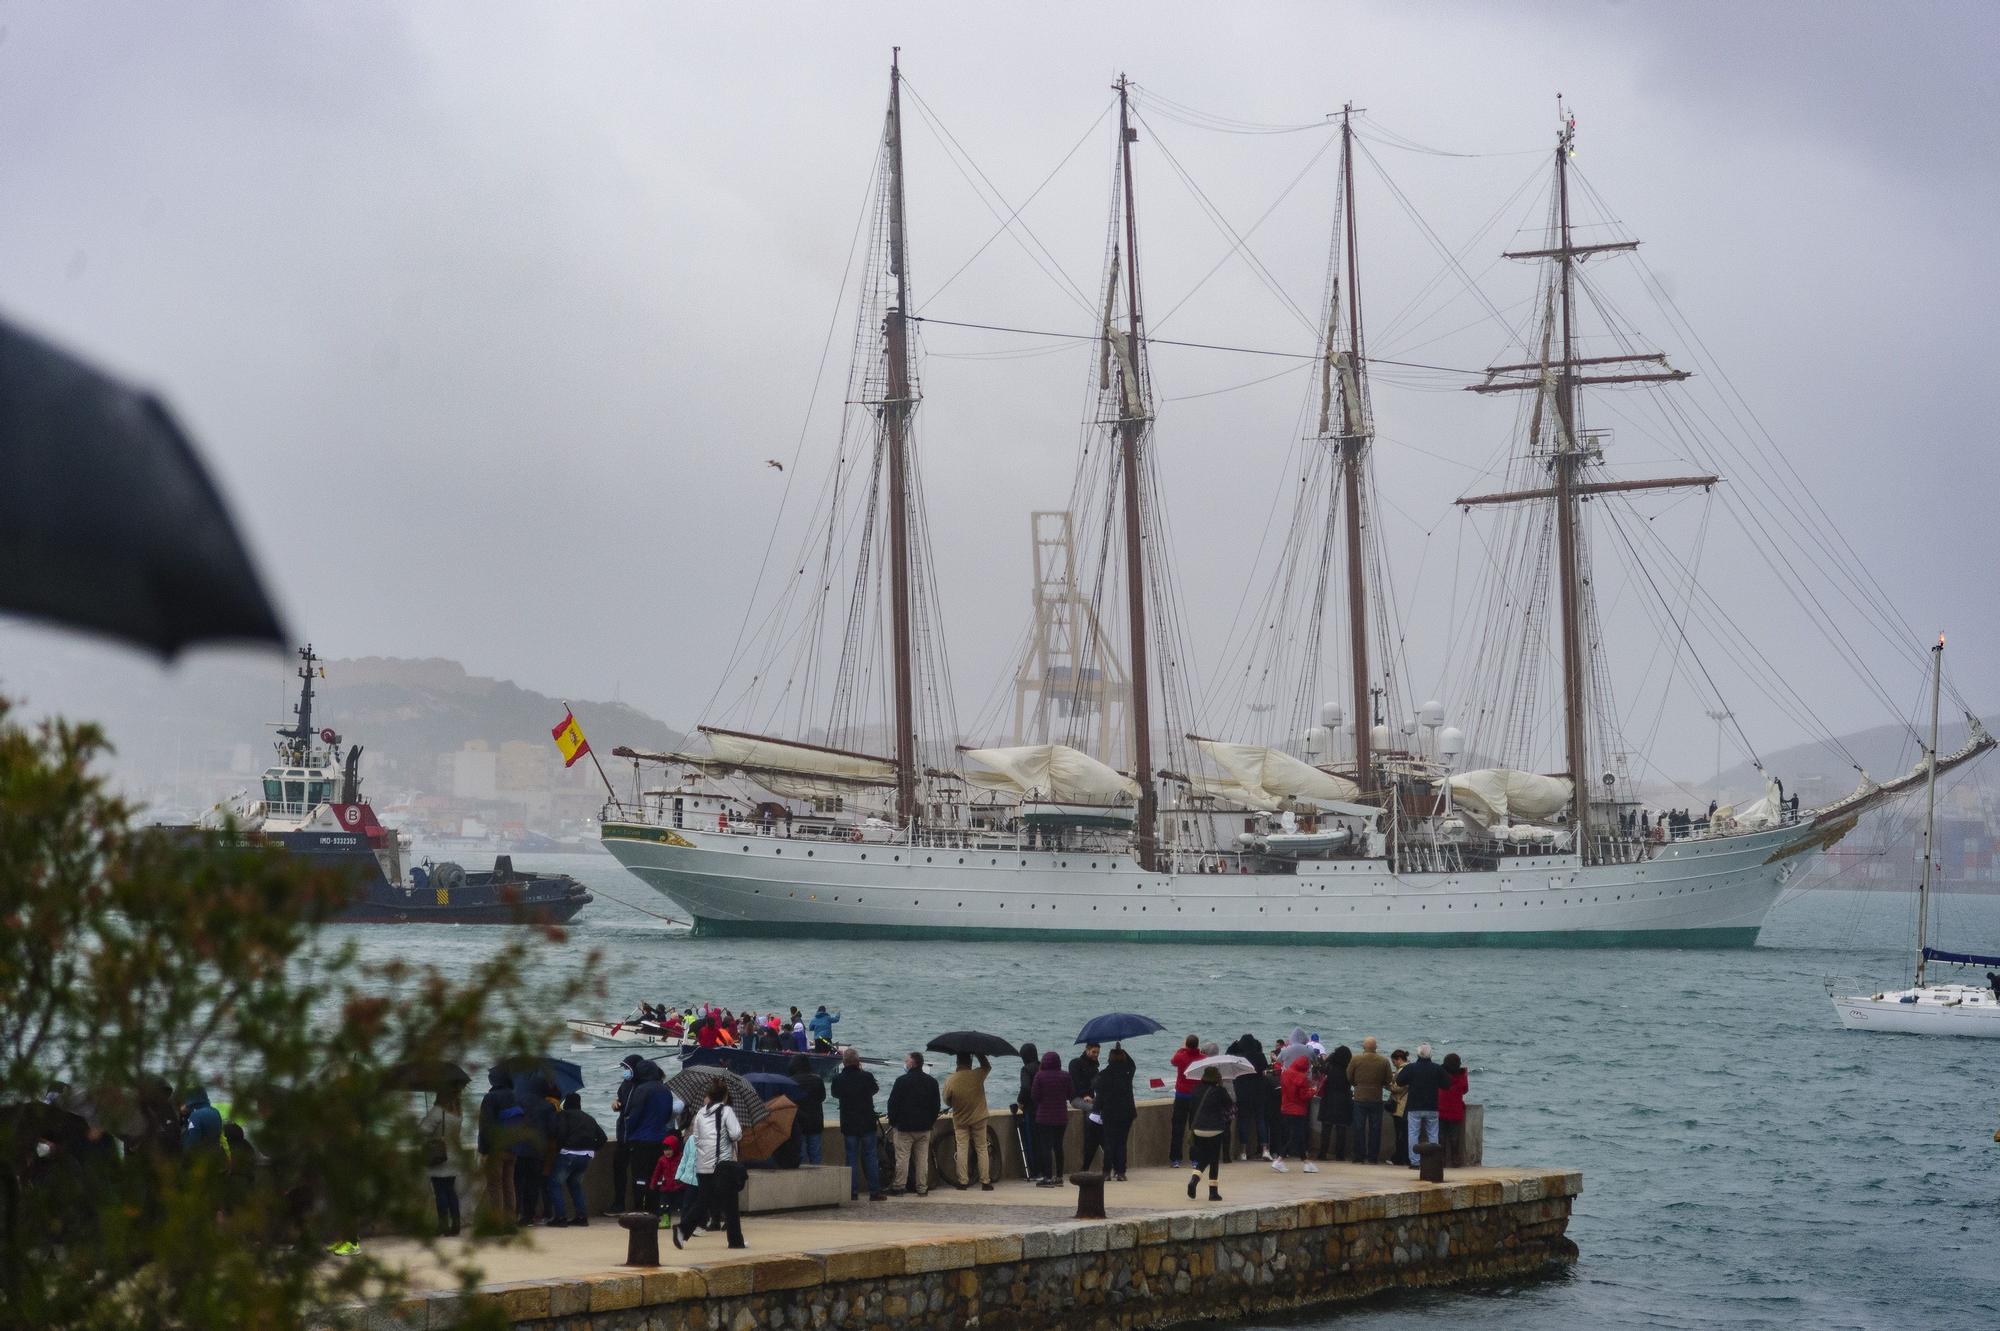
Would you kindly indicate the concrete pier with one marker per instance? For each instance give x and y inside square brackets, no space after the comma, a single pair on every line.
[1014,1260]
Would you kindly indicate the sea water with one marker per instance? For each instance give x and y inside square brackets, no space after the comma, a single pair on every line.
[1746,1162]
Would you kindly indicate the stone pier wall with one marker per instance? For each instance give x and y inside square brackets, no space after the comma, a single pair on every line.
[1079,1276]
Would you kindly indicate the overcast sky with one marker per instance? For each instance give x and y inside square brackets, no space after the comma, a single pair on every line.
[487,316]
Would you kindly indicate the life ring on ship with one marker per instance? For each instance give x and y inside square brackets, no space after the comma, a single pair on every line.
[855,835]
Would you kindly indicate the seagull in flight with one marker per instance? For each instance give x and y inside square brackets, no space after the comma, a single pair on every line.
[773,462]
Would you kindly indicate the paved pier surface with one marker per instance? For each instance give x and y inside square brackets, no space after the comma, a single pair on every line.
[947,1213]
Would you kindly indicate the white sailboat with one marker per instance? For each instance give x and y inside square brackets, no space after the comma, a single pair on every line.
[1214,840]
[1927,1008]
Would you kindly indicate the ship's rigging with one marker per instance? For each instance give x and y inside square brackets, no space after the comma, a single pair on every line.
[855,662]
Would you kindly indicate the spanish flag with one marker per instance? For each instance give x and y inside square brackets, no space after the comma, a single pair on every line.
[569,738]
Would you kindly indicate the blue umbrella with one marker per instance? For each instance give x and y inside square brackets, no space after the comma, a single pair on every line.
[771,1084]
[529,1070]
[1116,1026]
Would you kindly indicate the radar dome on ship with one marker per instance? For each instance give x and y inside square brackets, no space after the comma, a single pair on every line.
[1431,713]
[1379,737]
[1451,741]
[1330,715]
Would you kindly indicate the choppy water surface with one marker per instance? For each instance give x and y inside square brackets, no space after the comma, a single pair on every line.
[1746,1162]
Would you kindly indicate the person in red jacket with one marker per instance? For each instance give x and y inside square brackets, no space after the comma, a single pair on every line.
[1295,1093]
[1451,1111]
[667,1188]
[1183,1098]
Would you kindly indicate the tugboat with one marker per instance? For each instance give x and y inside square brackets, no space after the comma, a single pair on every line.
[311,804]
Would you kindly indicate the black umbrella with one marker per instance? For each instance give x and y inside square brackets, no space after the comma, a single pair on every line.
[430,1075]
[22,1125]
[770,1085]
[691,1085]
[108,520]
[1116,1026]
[528,1070]
[972,1042]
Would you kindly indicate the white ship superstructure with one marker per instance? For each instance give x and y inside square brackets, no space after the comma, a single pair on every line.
[1363,820]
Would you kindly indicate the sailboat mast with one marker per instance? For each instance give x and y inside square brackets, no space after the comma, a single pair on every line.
[1930,810]
[896,421]
[1568,457]
[1131,429]
[1353,440]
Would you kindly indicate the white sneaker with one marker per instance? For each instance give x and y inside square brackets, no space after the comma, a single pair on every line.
[1279,1165]
[1311,1168]
[1267,1153]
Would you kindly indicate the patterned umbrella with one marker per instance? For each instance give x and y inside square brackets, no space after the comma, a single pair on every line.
[691,1085]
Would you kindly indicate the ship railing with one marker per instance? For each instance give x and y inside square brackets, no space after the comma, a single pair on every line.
[814,829]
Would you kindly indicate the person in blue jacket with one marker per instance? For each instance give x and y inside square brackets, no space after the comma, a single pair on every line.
[821,1024]
[201,1128]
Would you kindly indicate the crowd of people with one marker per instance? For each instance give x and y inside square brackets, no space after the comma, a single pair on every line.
[712,1027]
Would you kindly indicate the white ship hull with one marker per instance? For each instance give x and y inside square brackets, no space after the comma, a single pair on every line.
[1939,1010]
[1708,893]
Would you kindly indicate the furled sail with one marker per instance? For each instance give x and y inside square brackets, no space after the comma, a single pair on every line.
[1050,771]
[783,767]
[1264,778]
[1498,794]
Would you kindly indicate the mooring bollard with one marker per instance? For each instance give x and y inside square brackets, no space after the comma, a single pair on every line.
[1430,1162]
[643,1247]
[1089,1196]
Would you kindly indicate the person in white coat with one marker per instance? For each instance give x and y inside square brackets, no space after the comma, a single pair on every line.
[719,1176]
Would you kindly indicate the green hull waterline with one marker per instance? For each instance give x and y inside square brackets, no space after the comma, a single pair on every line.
[1657,938]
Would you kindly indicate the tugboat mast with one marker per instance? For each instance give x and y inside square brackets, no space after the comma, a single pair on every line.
[296,740]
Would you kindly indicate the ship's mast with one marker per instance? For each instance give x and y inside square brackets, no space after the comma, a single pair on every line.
[1568,456]
[1566,460]
[1930,809]
[1353,439]
[1131,432]
[297,751]
[896,409]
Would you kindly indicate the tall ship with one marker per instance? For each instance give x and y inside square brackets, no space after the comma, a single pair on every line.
[309,804]
[839,799]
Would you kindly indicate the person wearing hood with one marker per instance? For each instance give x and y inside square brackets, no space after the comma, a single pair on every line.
[500,1122]
[201,1124]
[1295,1093]
[1050,1093]
[649,1112]
[1024,1108]
[855,1089]
[1208,1121]
[1250,1097]
[1336,1105]
[578,1140]
[1116,1105]
[914,1106]
[800,1041]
